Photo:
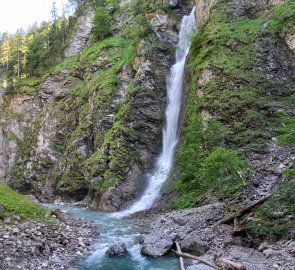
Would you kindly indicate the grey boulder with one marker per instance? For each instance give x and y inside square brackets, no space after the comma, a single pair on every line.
[193,244]
[156,244]
[117,249]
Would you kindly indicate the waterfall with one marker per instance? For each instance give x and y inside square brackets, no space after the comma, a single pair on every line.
[170,132]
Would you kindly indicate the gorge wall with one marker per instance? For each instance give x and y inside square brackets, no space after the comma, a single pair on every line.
[91,128]
[237,141]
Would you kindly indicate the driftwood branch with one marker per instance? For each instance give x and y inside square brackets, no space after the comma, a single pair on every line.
[233,265]
[242,211]
[181,254]
[180,258]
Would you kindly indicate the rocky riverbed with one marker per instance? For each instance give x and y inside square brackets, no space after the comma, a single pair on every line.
[197,234]
[33,245]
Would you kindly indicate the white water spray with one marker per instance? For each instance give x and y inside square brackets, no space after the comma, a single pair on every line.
[170,132]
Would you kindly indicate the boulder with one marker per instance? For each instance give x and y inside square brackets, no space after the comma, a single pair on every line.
[193,244]
[156,244]
[117,249]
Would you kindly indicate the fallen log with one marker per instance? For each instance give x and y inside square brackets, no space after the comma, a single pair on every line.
[187,255]
[242,211]
[180,258]
[233,265]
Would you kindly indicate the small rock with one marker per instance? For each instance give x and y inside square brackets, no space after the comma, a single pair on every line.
[81,244]
[80,239]
[262,247]
[7,220]
[268,252]
[275,265]
[2,208]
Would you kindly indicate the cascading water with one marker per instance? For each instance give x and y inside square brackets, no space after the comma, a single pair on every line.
[170,132]
[116,228]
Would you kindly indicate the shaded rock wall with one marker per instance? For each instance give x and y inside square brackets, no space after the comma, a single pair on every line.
[93,127]
[16,112]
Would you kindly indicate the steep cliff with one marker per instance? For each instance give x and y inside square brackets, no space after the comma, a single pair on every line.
[92,127]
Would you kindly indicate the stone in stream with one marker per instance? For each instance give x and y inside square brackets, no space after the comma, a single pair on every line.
[117,249]
[156,244]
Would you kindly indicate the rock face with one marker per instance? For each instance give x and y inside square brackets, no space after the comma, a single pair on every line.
[117,249]
[81,34]
[165,27]
[15,114]
[203,8]
[91,131]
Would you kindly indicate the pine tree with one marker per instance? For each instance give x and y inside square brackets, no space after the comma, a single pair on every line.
[101,23]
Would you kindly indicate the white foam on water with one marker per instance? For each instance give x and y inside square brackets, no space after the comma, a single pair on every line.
[170,132]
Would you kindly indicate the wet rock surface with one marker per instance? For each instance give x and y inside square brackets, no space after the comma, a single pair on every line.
[117,249]
[33,245]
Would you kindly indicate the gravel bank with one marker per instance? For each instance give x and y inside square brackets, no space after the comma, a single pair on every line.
[32,245]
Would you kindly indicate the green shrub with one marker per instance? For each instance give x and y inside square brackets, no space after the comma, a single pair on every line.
[223,170]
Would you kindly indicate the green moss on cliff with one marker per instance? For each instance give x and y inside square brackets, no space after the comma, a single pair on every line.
[228,104]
